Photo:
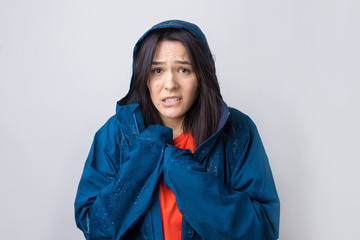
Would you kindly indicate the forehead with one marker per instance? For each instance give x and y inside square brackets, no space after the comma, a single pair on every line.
[170,49]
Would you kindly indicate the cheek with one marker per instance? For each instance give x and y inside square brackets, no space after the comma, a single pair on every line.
[152,87]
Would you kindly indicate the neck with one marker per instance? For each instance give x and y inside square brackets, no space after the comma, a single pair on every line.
[176,126]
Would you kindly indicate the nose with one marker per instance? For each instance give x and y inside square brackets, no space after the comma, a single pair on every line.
[170,81]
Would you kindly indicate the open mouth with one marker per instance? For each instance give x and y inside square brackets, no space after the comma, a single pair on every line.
[173,99]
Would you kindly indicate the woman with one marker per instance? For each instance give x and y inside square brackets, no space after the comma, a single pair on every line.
[175,162]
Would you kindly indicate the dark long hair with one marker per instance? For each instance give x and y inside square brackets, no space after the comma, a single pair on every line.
[202,118]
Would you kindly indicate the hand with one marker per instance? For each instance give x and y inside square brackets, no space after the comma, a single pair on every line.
[150,142]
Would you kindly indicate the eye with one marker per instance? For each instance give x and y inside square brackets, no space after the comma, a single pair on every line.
[156,70]
[184,70]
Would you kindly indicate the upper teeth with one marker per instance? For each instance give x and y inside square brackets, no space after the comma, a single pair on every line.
[172,99]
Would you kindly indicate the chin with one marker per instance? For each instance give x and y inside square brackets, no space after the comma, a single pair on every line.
[173,116]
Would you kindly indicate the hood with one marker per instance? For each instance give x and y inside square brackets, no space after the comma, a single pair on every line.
[190,27]
[176,24]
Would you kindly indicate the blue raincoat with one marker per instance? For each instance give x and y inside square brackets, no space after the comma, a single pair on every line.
[224,190]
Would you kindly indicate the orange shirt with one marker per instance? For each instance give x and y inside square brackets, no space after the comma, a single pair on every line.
[170,215]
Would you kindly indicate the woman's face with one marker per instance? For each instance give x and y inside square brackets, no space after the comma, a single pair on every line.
[172,83]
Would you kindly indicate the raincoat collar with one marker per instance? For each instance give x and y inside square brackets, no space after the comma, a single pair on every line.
[136,124]
[202,150]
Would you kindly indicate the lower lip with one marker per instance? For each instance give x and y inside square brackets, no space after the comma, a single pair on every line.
[171,103]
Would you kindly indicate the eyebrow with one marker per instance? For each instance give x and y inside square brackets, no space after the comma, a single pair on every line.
[179,62]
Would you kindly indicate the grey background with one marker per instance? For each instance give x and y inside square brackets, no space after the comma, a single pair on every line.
[293,66]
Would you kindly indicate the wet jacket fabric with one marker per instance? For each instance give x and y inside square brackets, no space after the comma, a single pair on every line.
[224,190]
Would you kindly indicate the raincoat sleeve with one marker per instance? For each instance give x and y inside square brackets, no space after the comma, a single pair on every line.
[110,200]
[247,208]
